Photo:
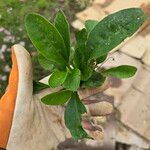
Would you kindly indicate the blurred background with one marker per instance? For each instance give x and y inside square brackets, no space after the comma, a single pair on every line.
[128,128]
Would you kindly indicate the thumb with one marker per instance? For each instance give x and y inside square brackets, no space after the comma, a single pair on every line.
[25,83]
[20,84]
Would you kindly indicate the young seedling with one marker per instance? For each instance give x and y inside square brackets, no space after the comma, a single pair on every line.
[77,67]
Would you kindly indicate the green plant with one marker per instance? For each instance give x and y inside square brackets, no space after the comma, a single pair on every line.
[12,13]
[77,67]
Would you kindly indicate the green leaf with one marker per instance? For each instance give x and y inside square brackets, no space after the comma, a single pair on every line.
[46,39]
[57,78]
[45,63]
[57,98]
[81,38]
[90,24]
[73,119]
[38,86]
[72,81]
[94,81]
[123,71]
[81,55]
[62,26]
[101,59]
[113,30]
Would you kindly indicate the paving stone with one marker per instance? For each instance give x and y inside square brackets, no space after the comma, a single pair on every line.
[146,67]
[135,112]
[117,5]
[146,57]
[123,86]
[142,81]
[101,2]
[94,12]
[3,48]
[135,47]
[145,32]
[133,147]
[127,136]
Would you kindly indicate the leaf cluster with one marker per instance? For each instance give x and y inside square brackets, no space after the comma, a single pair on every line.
[76,66]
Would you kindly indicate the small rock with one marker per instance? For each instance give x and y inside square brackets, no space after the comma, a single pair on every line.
[4,78]
[3,48]
[7,32]
[1,29]
[7,68]
[22,43]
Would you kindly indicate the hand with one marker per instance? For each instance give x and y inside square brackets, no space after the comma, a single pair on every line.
[28,124]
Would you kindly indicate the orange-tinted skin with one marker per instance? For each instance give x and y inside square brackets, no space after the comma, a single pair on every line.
[7,104]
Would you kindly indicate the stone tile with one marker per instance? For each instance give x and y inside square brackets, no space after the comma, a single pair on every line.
[135,112]
[123,86]
[135,47]
[146,57]
[94,12]
[101,2]
[127,136]
[146,67]
[145,32]
[117,5]
[133,147]
[77,24]
[142,81]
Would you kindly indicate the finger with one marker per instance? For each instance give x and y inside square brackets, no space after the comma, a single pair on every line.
[98,120]
[94,131]
[84,93]
[25,85]
[24,94]
[7,103]
[99,109]
[20,87]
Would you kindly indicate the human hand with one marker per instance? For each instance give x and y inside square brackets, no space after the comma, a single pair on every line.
[28,124]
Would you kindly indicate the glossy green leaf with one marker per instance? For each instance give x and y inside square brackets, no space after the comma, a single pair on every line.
[113,30]
[38,86]
[46,39]
[73,113]
[81,55]
[45,63]
[81,38]
[95,80]
[57,78]
[90,24]
[62,26]
[123,71]
[57,98]
[72,81]
[101,59]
